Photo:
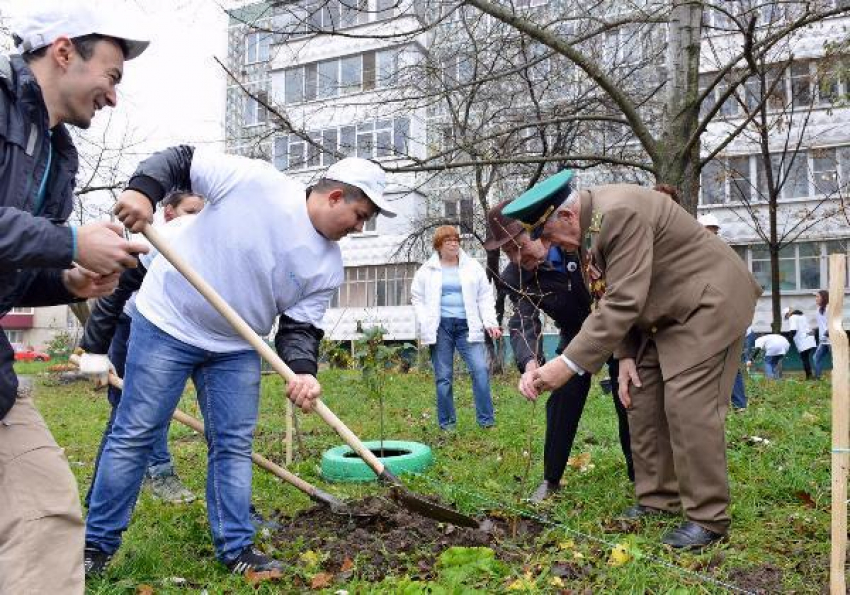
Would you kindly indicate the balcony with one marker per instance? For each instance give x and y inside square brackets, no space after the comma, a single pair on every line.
[18,321]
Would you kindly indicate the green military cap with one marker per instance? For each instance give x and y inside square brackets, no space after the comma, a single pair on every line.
[534,206]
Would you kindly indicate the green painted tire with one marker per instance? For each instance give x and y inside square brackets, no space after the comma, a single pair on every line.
[342,464]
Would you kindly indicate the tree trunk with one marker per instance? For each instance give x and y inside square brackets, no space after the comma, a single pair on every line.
[676,164]
[776,293]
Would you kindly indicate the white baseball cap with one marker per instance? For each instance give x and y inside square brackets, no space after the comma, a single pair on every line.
[367,176]
[44,21]
[709,220]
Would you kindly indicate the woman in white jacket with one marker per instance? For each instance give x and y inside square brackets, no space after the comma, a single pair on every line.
[454,305]
[804,341]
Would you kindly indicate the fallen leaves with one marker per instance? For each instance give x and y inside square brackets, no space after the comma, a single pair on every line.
[619,555]
[581,462]
[254,578]
[322,580]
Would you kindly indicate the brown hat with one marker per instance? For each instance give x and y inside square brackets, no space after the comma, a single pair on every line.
[500,229]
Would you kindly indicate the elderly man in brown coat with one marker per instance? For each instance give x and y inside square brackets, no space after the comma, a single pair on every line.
[672,303]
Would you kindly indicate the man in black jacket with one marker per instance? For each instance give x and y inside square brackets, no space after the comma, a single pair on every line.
[71,60]
[267,245]
[549,281]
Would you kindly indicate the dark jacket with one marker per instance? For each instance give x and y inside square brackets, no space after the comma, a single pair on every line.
[34,247]
[296,342]
[561,296]
[100,327]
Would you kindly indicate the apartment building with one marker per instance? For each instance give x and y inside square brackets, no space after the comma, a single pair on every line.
[350,93]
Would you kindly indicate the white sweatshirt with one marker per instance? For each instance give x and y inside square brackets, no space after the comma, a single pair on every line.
[255,244]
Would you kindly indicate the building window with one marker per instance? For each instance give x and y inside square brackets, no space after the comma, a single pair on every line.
[740,183]
[386,63]
[459,212]
[14,337]
[803,266]
[341,76]
[22,311]
[257,46]
[370,140]
[255,111]
[801,84]
[375,286]
[804,174]
[824,171]
[293,80]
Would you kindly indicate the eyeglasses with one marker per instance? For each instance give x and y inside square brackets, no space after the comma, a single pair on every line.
[455,240]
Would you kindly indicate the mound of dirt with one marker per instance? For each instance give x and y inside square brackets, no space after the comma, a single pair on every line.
[379,538]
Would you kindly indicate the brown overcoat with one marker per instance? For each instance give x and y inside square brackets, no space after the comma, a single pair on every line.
[667,278]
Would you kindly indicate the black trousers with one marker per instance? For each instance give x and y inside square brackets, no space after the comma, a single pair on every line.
[563,412]
[806,358]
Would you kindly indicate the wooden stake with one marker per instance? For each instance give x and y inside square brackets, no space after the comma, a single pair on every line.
[840,423]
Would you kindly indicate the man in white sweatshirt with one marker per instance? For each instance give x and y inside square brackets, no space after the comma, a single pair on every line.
[268,246]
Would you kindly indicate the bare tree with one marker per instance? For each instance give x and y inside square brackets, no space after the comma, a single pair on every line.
[773,110]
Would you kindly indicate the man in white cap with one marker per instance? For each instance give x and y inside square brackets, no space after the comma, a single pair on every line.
[71,59]
[710,222]
[268,246]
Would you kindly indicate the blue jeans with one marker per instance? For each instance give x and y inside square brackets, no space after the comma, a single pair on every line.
[820,355]
[452,334]
[160,459]
[773,366]
[739,395]
[228,387]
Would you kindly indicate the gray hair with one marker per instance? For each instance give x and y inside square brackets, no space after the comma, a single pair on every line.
[569,202]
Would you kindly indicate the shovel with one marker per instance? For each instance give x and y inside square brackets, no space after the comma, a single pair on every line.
[336,506]
[399,492]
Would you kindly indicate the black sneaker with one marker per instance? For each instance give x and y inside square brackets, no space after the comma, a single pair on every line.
[252,559]
[95,560]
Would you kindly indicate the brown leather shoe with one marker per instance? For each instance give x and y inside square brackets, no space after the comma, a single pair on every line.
[543,492]
[691,536]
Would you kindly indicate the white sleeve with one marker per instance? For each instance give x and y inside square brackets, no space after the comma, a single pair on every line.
[312,307]
[486,301]
[215,174]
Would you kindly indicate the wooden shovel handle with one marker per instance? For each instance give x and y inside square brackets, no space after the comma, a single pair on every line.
[266,352]
[198,426]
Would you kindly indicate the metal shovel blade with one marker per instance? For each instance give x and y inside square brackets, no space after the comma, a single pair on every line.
[404,497]
[335,505]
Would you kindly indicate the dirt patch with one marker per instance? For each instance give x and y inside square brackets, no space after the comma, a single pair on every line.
[759,579]
[383,539]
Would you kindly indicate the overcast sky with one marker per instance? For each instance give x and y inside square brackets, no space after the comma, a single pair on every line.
[174,92]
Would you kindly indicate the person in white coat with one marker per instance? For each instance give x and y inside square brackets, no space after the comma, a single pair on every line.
[804,340]
[774,348]
[454,306]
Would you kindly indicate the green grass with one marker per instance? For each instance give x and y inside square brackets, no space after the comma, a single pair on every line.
[780,489]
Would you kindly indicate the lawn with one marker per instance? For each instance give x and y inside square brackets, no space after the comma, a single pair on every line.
[778,453]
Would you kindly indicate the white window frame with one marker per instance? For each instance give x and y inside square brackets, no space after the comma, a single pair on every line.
[254,113]
[823,256]
[361,283]
[257,47]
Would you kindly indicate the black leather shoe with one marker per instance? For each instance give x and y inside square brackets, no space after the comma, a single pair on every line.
[639,511]
[544,491]
[691,536]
